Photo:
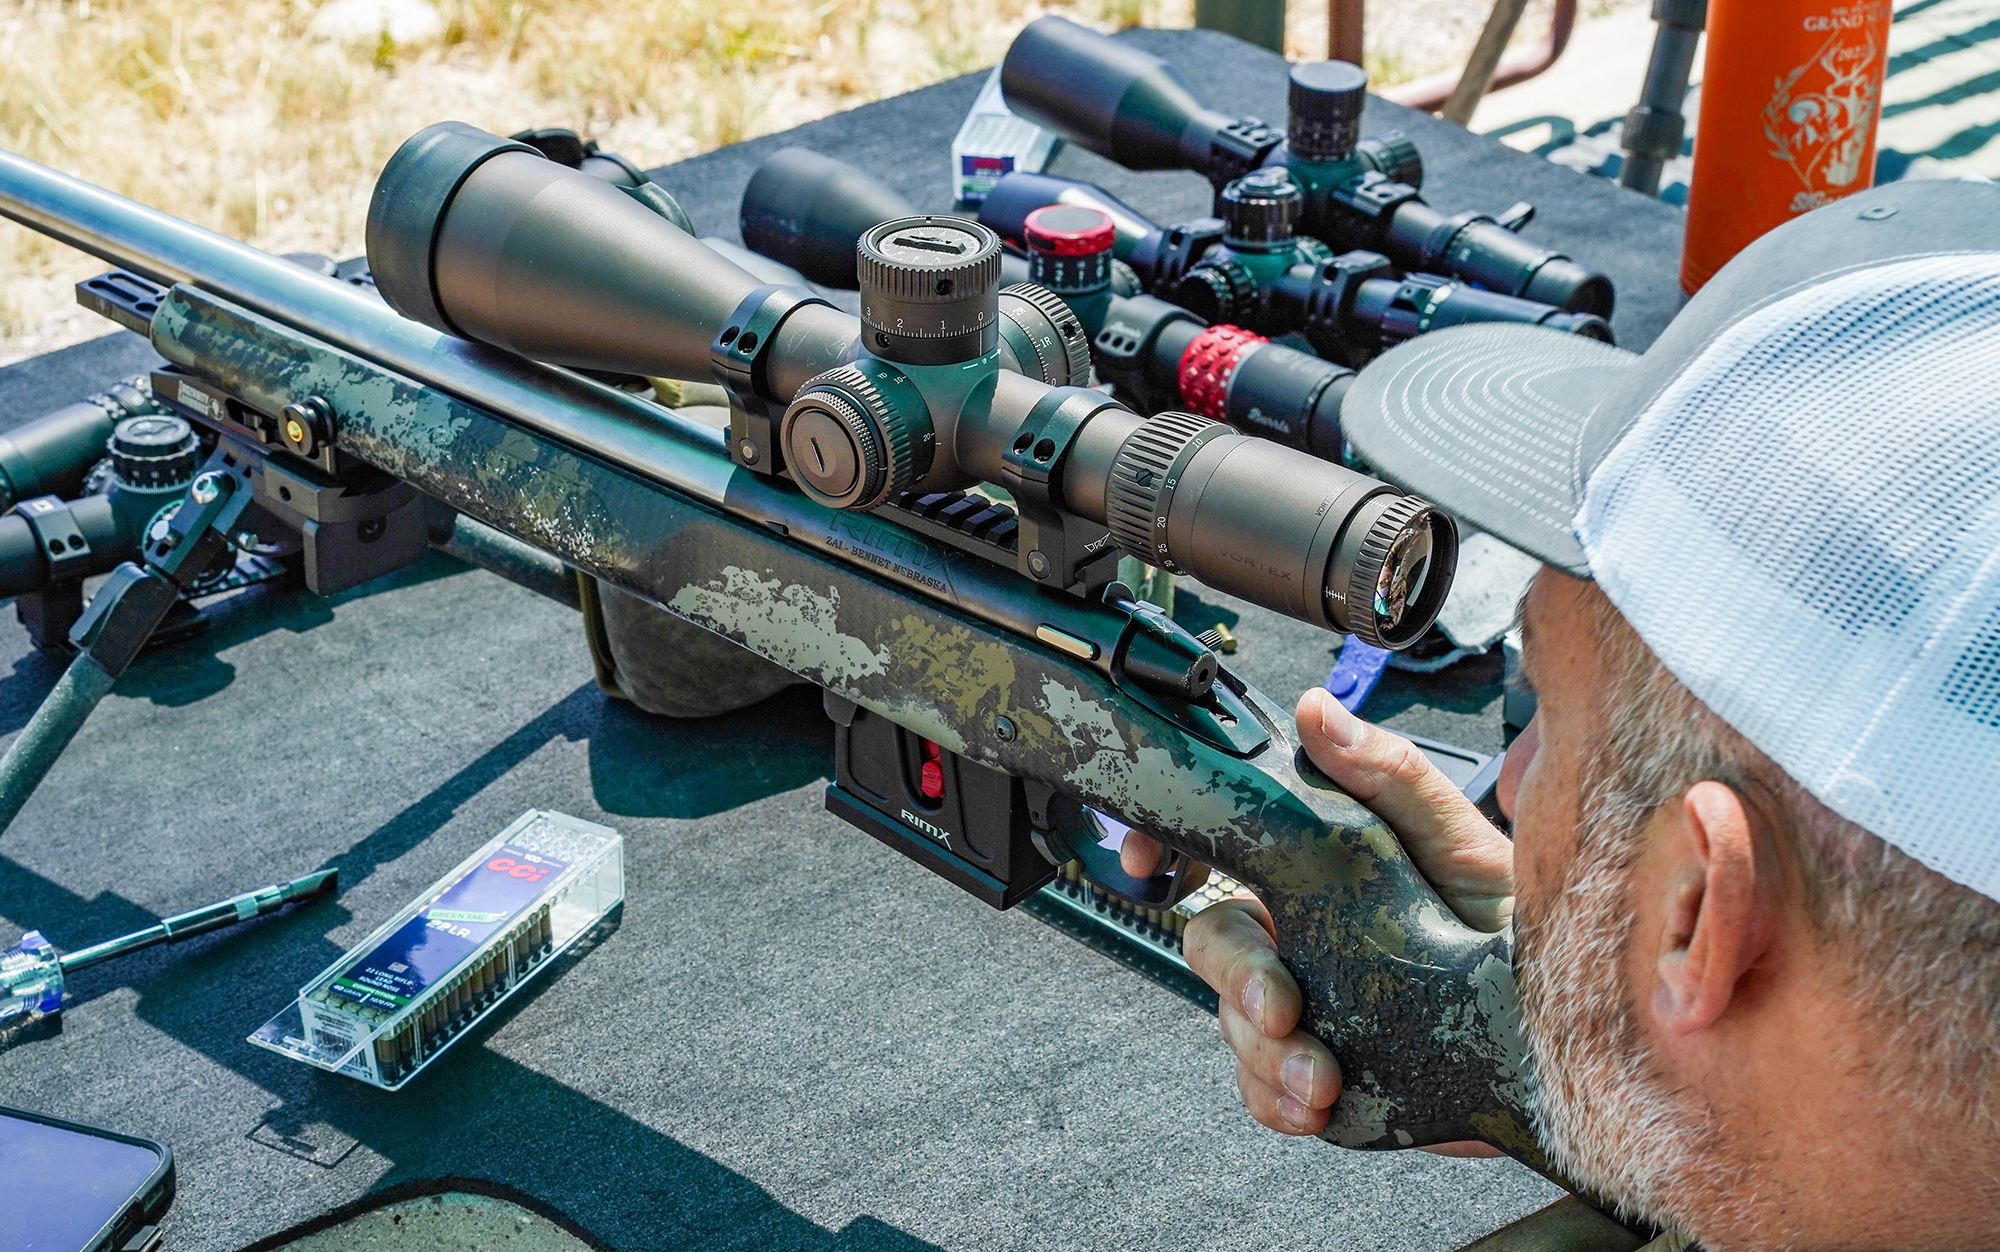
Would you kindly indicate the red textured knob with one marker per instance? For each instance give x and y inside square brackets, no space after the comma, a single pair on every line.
[1069,230]
[1208,365]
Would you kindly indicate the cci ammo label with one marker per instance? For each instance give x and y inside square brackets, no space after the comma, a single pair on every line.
[430,945]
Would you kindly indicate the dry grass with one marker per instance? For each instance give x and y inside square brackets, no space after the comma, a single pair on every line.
[232,114]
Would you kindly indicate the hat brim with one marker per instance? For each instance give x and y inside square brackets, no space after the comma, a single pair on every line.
[1488,421]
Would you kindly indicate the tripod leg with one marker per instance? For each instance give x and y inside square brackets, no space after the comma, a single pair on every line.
[1654,127]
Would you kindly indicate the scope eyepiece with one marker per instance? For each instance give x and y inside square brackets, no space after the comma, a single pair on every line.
[1335,548]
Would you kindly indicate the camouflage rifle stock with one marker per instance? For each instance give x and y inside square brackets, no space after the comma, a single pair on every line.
[1043,687]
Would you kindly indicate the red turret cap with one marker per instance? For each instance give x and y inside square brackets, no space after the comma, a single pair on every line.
[1069,230]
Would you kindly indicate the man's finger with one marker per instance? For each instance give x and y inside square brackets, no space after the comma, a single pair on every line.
[1275,1109]
[1229,946]
[1463,855]
[1298,1065]
[1140,855]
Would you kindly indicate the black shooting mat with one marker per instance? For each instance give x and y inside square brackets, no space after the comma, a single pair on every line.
[793,1038]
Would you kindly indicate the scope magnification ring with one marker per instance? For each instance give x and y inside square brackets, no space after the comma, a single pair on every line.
[1065,362]
[848,443]
[1143,477]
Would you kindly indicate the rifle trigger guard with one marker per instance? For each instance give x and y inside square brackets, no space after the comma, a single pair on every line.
[739,360]
[1065,830]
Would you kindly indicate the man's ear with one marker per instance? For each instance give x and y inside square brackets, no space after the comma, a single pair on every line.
[1717,921]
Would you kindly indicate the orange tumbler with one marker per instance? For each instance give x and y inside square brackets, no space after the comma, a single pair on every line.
[1791,93]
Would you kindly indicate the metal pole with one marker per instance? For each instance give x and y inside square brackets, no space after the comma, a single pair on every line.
[1345,21]
[1261,22]
[1485,59]
[1654,127]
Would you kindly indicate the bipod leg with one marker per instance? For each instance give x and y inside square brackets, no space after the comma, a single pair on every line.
[121,617]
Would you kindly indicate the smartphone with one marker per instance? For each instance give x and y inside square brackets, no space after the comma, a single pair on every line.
[67,1187]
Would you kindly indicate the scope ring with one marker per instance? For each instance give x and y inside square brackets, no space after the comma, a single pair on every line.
[1074,368]
[1143,477]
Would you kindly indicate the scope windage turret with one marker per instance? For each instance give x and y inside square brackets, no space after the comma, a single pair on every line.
[484,238]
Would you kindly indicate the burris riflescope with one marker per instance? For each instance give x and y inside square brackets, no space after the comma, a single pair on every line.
[1137,110]
[486,239]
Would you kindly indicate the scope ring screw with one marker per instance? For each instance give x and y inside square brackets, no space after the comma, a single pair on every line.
[1004,727]
[207,488]
[1038,563]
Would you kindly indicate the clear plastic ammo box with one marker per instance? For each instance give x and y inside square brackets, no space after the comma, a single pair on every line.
[404,994]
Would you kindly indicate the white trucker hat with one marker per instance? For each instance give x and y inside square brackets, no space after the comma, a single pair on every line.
[1793,496]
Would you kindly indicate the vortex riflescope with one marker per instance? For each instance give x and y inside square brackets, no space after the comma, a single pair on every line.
[486,239]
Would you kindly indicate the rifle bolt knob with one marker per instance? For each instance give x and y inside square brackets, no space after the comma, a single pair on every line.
[1004,727]
[206,488]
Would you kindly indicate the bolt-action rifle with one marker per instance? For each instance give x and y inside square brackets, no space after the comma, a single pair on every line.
[834,532]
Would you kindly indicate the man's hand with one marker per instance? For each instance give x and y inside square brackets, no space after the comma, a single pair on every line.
[1288,1079]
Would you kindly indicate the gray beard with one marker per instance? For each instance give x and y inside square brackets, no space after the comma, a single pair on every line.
[1604,1112]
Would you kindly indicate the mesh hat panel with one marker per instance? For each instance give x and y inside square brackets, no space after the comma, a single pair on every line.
[1804,526]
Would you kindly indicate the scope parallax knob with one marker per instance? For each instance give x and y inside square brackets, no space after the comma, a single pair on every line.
[1047,335]
[157,452]
[1259,209]
[855,436]
[1326,99]
[929,289]
[1217,289]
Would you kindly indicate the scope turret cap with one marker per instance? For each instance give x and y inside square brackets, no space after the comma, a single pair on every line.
[154,451]
[1260,207]
[1326,102]
[929,289]
[1793,496]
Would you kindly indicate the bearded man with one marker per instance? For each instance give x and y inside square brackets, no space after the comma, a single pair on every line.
[1754,880]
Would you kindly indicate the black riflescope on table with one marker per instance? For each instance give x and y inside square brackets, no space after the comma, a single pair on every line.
[47,539]
[488,240]
[1136,109]
[805,210]
[1252,269]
